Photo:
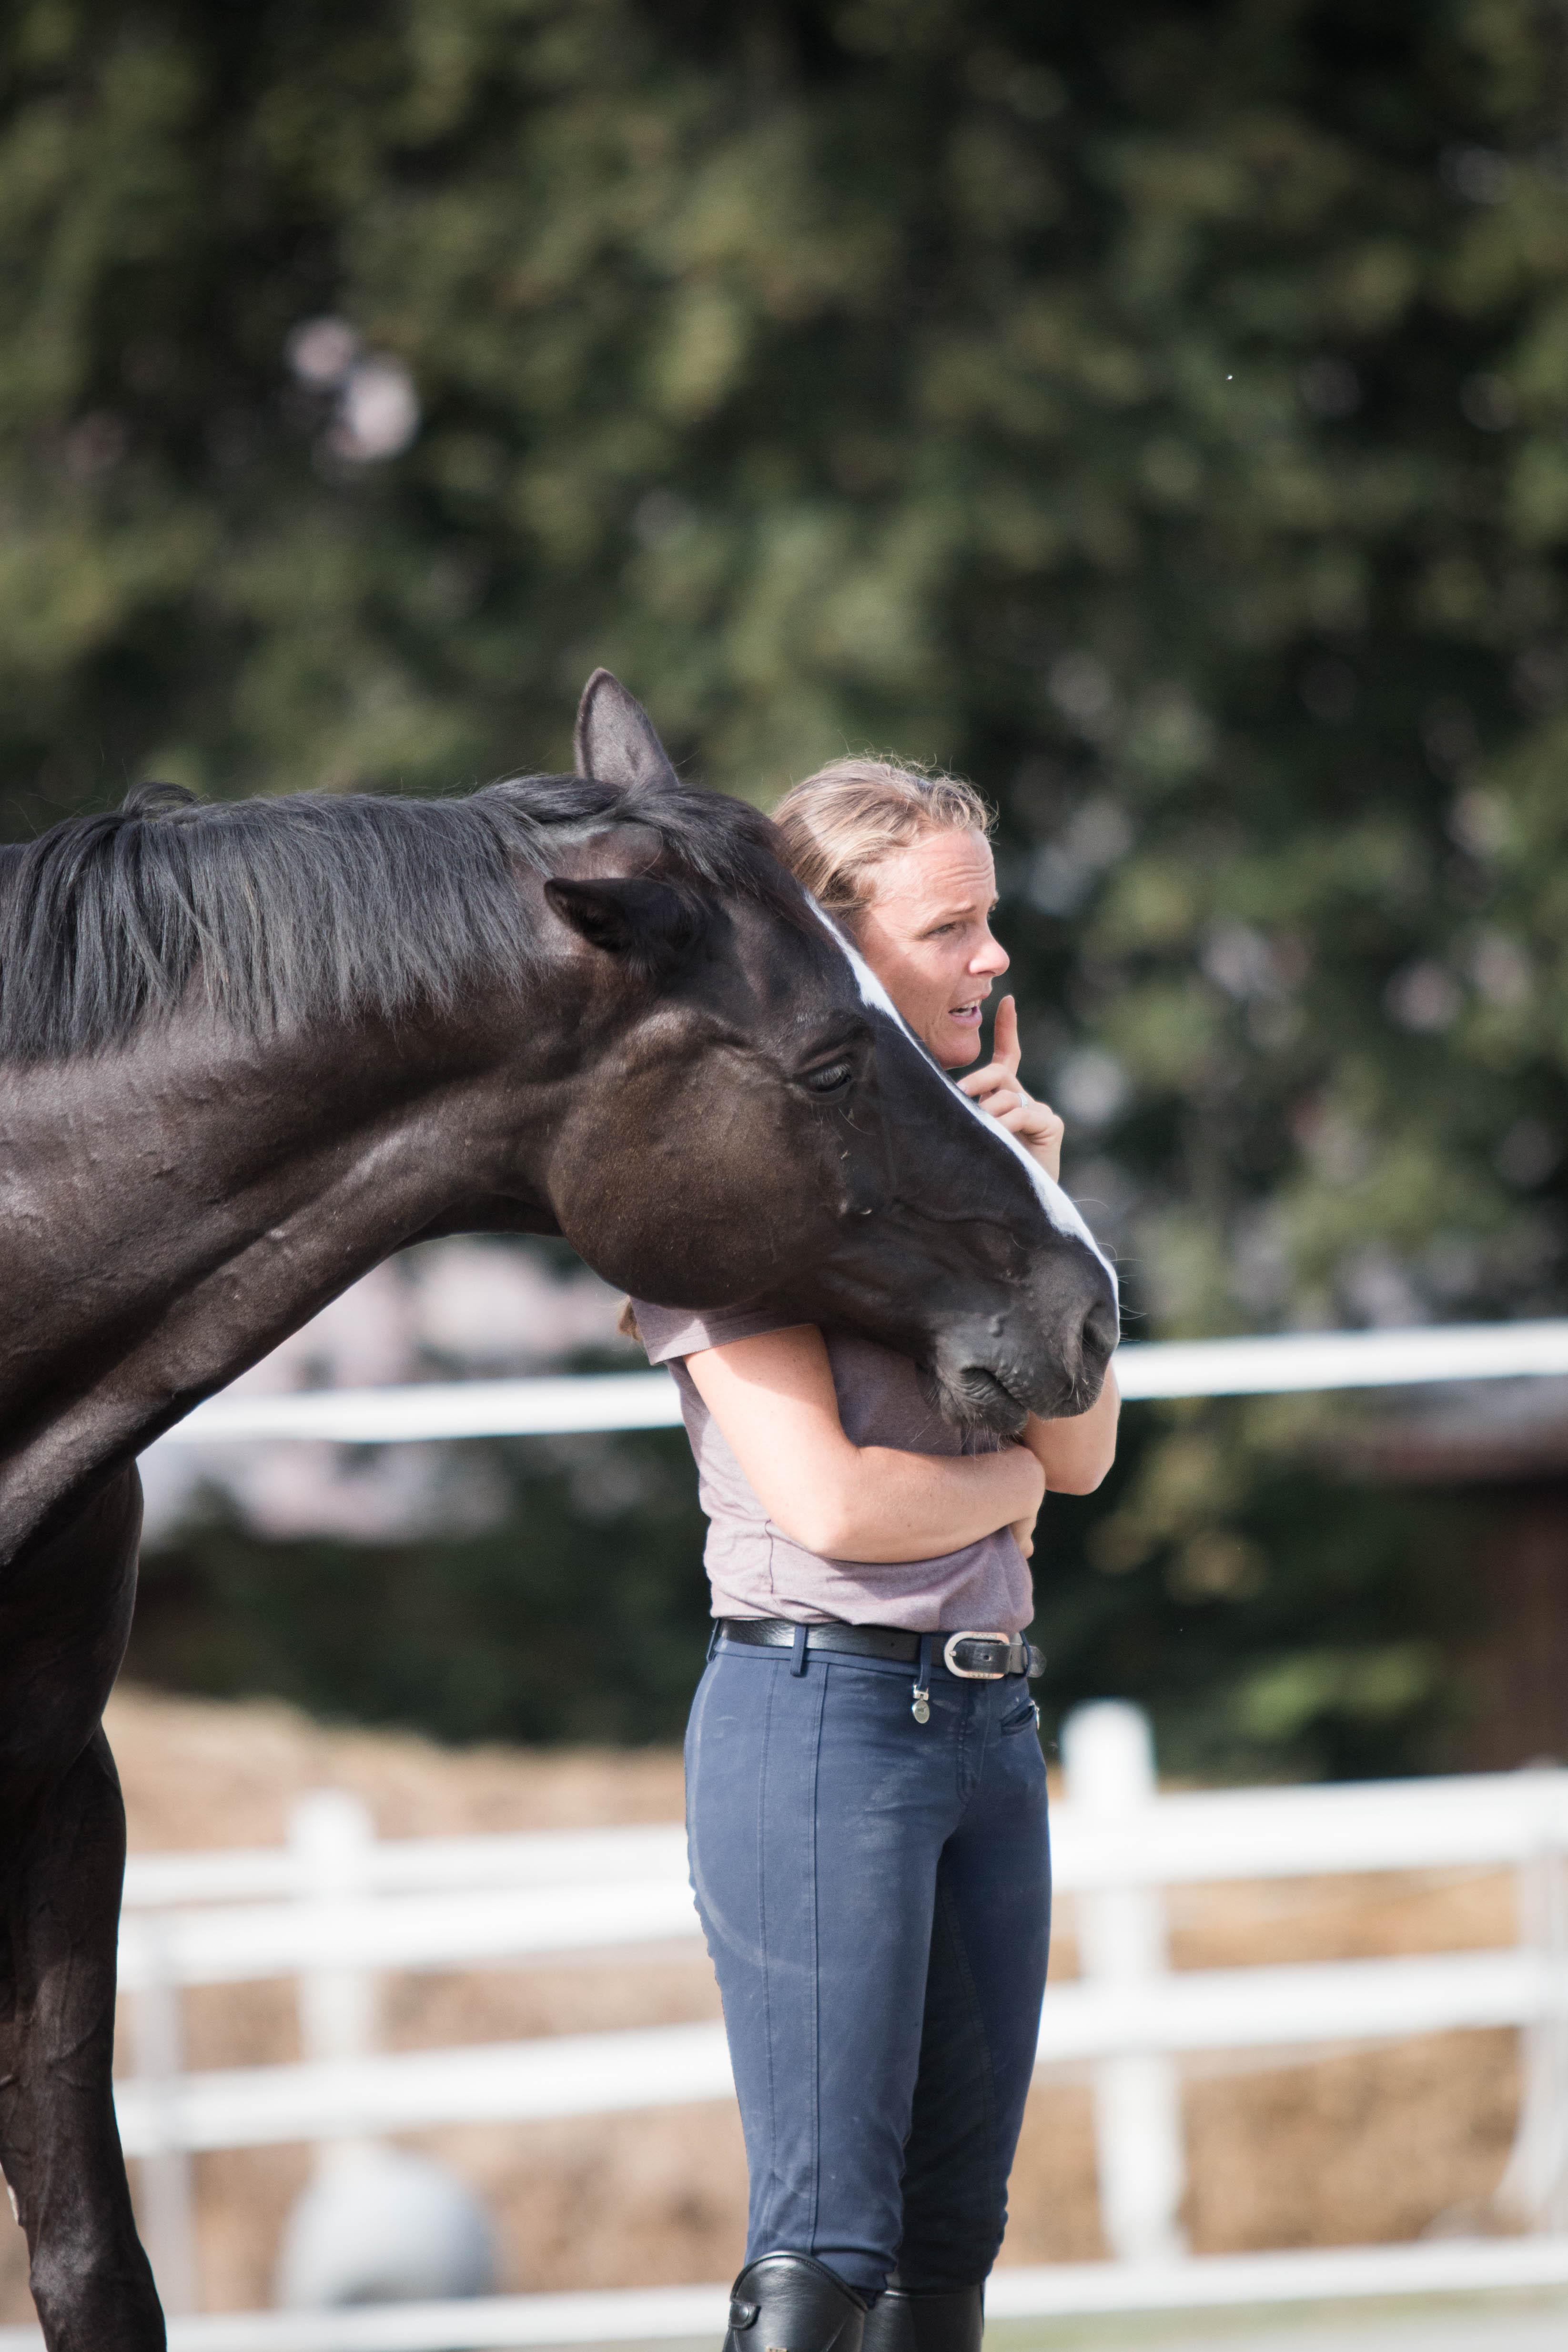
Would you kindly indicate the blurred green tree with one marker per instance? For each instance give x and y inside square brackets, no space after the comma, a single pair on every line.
[1159,412]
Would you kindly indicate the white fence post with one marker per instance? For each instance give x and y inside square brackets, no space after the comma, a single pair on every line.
[167,2216]
[377,2224]
[1535,2186]
[1109,1751]
[332,1834]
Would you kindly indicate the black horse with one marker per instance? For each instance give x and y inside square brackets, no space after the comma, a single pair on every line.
[247,1050]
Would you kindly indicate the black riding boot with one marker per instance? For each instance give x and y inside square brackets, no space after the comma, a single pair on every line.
[791,2303]
[904,2321]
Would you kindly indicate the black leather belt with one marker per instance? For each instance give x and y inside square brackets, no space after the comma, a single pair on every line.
[973,1657]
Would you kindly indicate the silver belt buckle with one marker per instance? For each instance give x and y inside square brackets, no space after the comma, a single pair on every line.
[975,1674]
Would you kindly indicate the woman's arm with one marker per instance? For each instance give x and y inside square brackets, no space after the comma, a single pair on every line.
[1075,1455]
[775,1401]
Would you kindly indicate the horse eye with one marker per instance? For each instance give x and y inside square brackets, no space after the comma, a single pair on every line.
[829,1081]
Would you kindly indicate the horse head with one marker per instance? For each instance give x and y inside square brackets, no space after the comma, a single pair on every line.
[837,1174]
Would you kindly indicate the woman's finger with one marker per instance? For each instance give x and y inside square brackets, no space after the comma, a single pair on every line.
[994,1077]
[1005,1037]
[1004,1102]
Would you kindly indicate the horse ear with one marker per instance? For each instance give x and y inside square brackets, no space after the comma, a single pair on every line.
[615,739]
[650,924]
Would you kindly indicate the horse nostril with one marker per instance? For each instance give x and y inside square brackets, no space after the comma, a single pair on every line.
[1099,1333]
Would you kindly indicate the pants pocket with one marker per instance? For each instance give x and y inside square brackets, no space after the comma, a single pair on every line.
[1024,1716]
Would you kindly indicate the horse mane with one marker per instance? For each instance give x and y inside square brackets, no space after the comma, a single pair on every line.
[316,906]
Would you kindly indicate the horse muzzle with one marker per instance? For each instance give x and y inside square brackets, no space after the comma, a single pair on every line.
[1046,1355]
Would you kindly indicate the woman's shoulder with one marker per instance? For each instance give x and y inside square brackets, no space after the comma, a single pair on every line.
[670,1333]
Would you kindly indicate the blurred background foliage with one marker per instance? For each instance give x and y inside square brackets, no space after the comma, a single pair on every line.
[580,1613]
[1158,412]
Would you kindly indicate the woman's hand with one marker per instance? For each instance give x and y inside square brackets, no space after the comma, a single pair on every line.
[1023,1530]
[997,1091]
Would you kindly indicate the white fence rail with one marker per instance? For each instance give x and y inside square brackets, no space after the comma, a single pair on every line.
[688,2313]
[337,1909]
[1288,1361]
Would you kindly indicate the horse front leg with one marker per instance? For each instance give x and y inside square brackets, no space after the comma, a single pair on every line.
[59,2144]
[64,1613]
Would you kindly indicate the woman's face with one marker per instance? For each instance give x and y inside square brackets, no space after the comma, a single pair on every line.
[926,934]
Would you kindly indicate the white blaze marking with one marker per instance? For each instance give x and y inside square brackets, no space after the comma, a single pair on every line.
[1063,1212]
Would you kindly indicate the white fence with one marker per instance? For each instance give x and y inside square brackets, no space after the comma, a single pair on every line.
[335,1908]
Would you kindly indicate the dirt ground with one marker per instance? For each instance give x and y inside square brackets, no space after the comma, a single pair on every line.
[1354,2147]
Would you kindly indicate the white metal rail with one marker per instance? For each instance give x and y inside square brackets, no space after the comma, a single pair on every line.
[1063,2290]
[1275,1365]
[1251,2009]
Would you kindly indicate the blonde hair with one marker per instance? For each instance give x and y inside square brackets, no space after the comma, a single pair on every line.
[839,825]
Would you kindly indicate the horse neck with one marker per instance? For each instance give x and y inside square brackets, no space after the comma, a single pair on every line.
[178,1208]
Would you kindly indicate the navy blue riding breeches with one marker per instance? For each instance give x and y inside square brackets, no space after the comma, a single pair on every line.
[876,1894]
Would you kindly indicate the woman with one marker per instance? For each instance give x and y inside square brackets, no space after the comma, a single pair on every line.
[866,1795]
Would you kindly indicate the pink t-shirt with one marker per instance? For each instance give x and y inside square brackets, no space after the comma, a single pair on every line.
[754,1567]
